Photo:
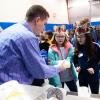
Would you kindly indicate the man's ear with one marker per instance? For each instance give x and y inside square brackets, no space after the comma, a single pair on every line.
[37,19]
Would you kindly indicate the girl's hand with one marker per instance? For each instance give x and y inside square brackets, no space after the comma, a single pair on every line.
[78,69]
[91,70]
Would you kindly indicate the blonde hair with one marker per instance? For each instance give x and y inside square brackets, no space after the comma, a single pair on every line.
[84,21]
[54,42]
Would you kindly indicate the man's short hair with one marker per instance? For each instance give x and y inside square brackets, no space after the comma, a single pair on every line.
[36,11]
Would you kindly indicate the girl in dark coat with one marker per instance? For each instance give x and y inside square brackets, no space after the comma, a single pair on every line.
[86,59]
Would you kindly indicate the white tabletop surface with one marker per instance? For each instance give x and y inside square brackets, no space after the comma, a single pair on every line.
[32,92]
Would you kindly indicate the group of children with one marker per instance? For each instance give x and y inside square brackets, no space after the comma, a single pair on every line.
[82,56]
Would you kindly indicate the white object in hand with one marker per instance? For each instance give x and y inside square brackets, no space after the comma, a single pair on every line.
[66,64]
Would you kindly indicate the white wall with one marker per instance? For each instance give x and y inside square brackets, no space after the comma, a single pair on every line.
[78,9]
[81,8]
[95,12]
[15,10]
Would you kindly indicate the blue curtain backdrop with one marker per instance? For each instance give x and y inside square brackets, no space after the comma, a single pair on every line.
[48,26]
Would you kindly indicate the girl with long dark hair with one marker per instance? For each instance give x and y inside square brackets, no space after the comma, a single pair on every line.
[86,59]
